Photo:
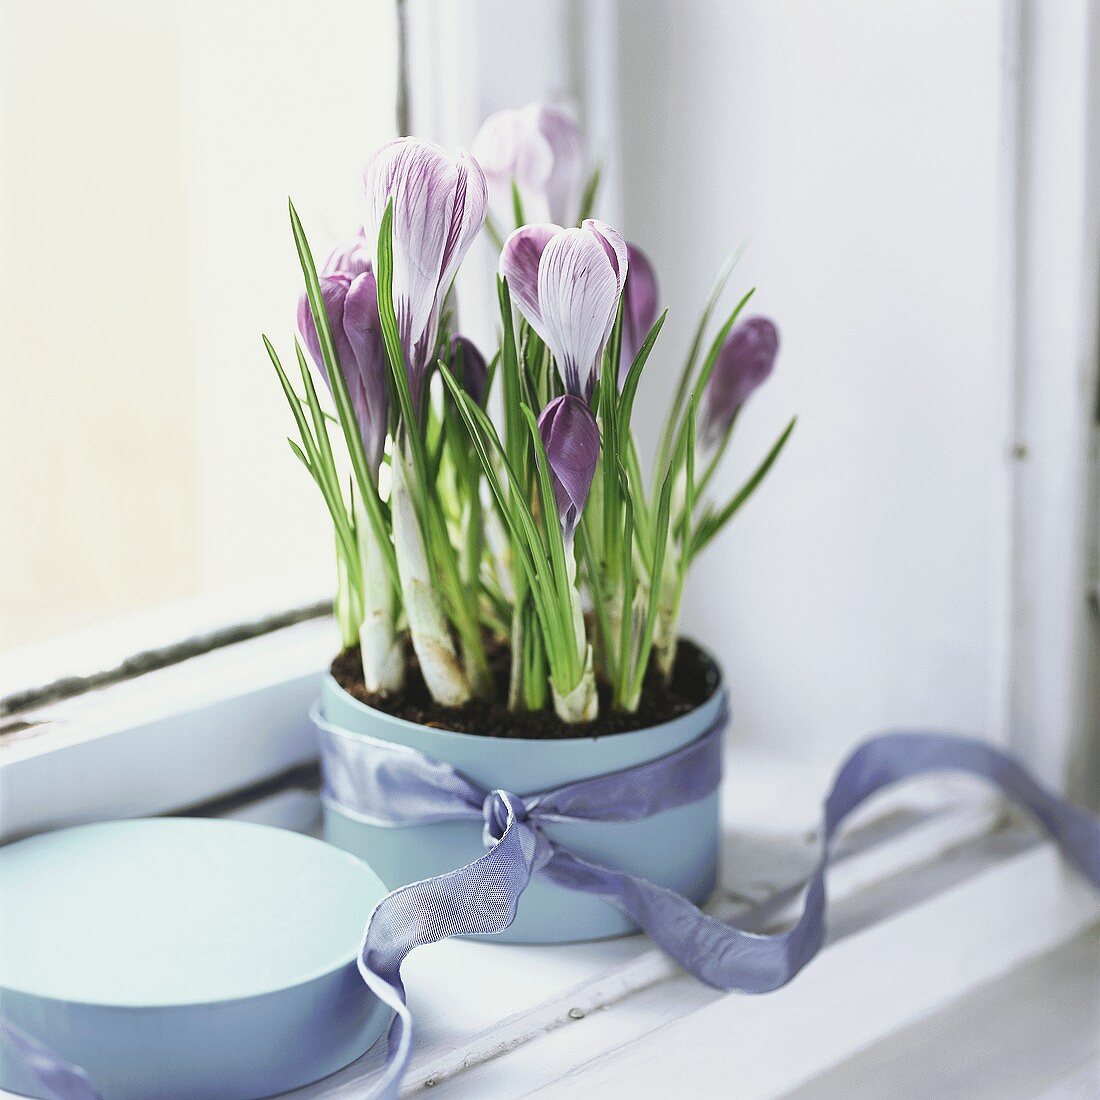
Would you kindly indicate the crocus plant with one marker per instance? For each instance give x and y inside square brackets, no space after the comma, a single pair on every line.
[538,526]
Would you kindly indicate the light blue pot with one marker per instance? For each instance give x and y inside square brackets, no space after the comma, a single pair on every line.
[677,848]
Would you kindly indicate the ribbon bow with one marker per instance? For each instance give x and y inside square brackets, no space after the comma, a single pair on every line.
[386,784]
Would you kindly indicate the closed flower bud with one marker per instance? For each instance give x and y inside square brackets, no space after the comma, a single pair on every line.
[572,441]
[639,305]
[351,258]
[469,368]
[744,363]
[539,148]
[351,306]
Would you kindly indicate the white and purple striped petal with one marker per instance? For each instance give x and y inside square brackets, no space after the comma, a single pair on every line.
[613,244]
[540,148]
[350,258]
[567,283]
[438,209]
[563,185]
[572,441]
[519,265]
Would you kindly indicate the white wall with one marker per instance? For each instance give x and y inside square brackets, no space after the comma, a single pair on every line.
[859,146]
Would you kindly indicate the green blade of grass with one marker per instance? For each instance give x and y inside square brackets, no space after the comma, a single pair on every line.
[368,490]
[711,525]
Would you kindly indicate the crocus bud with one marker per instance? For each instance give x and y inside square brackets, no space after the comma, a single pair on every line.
[540,148]
[639,305]
[744,363]
[351,258]
[438,209]
[572,441]
[351,305]
[567,283]
[469,367]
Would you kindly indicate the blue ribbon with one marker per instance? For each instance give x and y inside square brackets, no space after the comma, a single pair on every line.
[57,1078]
[386,784]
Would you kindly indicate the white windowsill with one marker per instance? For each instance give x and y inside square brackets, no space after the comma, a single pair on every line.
[494,1019]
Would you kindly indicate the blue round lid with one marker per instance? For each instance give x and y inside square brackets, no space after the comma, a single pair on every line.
[176,911]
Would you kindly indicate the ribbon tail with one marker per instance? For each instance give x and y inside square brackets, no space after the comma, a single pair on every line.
[732,959]
[61,1079]
[478,899]
[724,957]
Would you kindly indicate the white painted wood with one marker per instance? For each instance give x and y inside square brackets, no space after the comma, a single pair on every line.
[106,644]
[889,971]
[231,717]
[1054,701]
[169,739]
[858,590]
[465,1034]
[1034,1033]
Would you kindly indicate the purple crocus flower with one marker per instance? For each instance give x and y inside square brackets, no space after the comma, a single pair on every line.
[351,258]
[744,363]
[572,441]
[639,305]
[567,283]
[351,305]
[470,368]
[540,148]
[438,210]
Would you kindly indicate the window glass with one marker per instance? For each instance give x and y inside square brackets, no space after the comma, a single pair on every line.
[147,149]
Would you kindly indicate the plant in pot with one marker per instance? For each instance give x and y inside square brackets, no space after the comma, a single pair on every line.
[509,586]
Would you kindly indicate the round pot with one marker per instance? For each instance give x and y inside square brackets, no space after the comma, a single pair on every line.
[677,848]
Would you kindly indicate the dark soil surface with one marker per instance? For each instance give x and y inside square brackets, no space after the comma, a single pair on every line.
[694,680]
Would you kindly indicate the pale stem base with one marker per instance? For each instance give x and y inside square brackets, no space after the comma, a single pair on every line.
[381,649]
[431,637]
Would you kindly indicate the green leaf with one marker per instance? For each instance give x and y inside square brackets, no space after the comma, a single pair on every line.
[552,531]
[630,384]
[528,547]
[302,458]
[712,356]
[689,363]
[391,340]
[515,435]
[368,490]
[712,524]
[320,430]
[588,201]
[628,587]
[517,205]
[494,232]
[643,533]
[661,533]
[440,551]
[716,344]
[599,601]
[689,491]
[312,459]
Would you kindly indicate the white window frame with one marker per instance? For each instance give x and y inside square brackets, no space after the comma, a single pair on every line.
[225,730]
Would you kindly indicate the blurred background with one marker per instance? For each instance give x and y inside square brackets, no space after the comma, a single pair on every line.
[919,184]
[148,149]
